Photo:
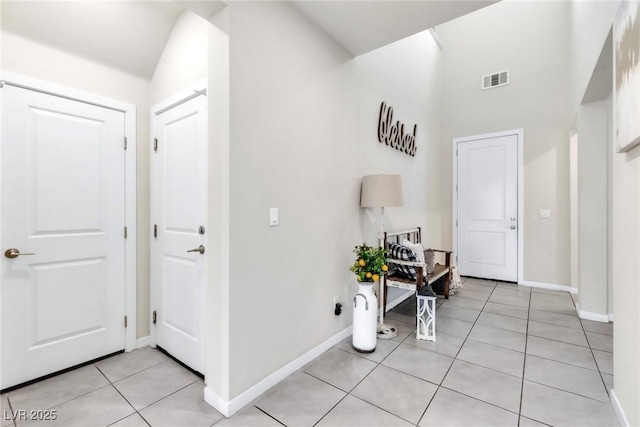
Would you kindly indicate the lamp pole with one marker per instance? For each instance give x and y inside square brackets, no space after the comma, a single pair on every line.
[380,191]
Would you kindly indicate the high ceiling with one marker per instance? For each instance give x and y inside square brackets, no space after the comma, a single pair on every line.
[131,35]
[128,35]
[362,26]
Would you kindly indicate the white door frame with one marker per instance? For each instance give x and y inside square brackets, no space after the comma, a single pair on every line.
[519,133]
[129,111]
[173,101]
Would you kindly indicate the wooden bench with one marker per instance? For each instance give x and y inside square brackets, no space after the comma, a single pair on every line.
[426,304]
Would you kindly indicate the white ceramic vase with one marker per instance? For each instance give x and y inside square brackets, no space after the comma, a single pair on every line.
[365,319]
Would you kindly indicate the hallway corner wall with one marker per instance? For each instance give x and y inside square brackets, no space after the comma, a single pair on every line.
[303,129]
[508,36]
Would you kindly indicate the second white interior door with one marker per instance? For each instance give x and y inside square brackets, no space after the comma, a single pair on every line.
[180,205]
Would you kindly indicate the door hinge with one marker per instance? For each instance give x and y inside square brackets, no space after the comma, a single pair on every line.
[456,187]
[125,232]
[155,230]
[154,317]
[125,321]
[456,222]
[155,144]
[125,142]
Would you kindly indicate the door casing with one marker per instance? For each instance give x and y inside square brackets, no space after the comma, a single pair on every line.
[519,133]
[130,180]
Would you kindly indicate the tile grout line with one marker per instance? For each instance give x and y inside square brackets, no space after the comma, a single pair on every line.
[13,422]
[348,393]
[570,392]
[332,408]
[455,357]
[142,370]
[524,361]
[75,397]
[150,404]
[378,364]
[479,400]
[594,356]
[264,412]
[125,399]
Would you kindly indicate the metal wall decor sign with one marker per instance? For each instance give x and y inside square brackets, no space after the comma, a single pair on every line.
[393,134]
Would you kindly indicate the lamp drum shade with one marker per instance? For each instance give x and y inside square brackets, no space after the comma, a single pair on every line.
[381,191]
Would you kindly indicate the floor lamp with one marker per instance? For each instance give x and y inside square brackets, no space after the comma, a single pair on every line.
[379,191]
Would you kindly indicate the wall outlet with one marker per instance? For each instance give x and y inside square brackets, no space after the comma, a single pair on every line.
[337,307]
[545,213]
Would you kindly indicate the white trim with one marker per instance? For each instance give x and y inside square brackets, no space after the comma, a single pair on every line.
[228,408]
[143,342]
[520,136]
[550,286]
[130,182]
[587,315]
[179,96]
[130,244]
[65,90]
[610,317]
[617,408]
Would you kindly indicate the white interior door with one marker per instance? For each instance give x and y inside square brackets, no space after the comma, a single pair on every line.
[63,207]
[487,201]
[181,212]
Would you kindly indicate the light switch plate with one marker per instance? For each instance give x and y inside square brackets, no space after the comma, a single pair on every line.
[545,213]
[273,216]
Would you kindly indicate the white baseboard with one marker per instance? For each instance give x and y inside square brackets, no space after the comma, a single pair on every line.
[622,418]
[143,342]
[587,315]
[610,317]
[228,408]
[550,286]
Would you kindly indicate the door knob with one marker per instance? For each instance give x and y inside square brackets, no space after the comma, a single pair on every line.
[513,227]
[14,253]
[198,249]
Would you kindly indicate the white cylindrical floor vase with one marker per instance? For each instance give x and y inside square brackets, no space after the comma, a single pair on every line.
[365,305]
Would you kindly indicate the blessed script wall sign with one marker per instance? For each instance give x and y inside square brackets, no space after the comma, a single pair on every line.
[392,134]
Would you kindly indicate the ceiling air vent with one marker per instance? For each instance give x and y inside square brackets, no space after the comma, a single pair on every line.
[496,79]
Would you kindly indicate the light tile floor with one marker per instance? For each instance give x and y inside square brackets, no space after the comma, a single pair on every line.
[504,356]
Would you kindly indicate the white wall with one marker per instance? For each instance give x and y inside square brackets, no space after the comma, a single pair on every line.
[185,58]
[593,130]
[303,133]
[27,57]
[626,280]
[573,190]
[530,40]
[591,22]
[217,290]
